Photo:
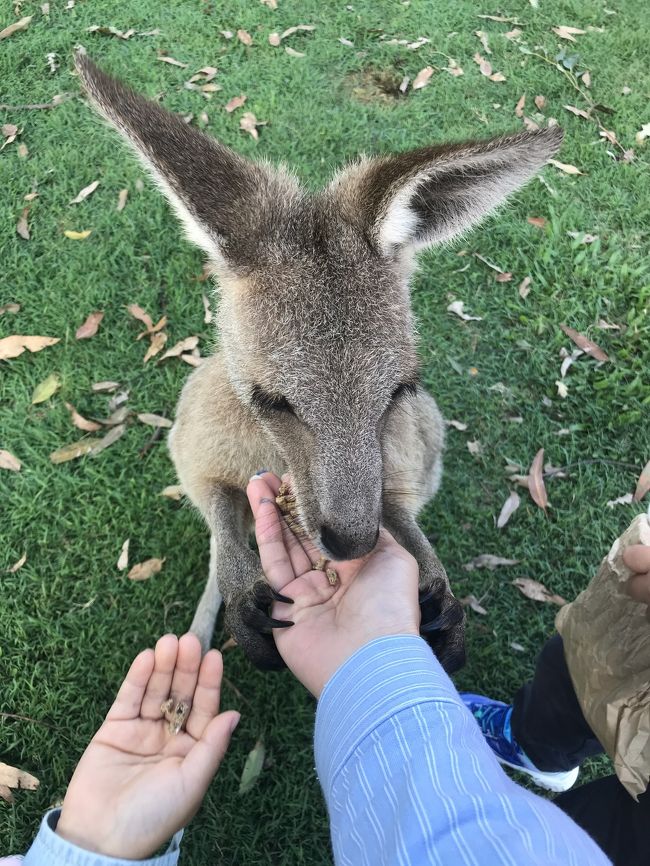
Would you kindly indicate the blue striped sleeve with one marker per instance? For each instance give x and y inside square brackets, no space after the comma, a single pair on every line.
[409,779]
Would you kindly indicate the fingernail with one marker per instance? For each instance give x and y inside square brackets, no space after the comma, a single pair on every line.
[234,722]
[262,471]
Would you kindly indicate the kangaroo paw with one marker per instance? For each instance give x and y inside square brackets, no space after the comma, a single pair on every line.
[248,618]
[442,625]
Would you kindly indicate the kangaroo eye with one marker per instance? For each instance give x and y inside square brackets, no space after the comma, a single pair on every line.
[270,402]
[404,389]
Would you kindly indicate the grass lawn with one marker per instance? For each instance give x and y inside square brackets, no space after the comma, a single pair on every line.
[69,621]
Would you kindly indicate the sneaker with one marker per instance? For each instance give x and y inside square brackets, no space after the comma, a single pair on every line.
[493,719]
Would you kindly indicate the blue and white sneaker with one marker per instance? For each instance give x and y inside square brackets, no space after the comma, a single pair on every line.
[493,719]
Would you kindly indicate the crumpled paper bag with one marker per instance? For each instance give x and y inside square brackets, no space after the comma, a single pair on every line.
[606,638]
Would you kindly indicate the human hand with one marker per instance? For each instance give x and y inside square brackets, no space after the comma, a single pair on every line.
[137,784]
[375,596]
[637,559]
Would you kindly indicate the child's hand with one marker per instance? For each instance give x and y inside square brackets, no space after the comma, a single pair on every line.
[137,784]
[637,558]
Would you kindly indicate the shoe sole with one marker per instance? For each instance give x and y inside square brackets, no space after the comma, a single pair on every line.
[556,782]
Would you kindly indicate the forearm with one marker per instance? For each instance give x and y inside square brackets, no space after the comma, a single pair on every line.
[408,778]
[49,849]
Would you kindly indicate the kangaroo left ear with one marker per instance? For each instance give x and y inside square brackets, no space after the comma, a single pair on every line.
[434,194]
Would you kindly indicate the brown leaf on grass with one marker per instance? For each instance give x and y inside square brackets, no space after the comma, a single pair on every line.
[346,42]
[138,313]
[487,560]
[458,309]
[173,491]
[235,102]
[145,570]
[503,277]
[272,4]
[158,340]
[12,777]
[118,416]
[112,436]
[85,192]
[90,326]
[521,104]
[568,33]
[422,78]
[625,499]
[11,347]
[121,199]
[23,24]
[473,602]
[73,450]
[536,591]
[17,565]
[497,76]
[457,425]
[207,73]
[453,68]
[536,480]
[538,222]
[540,103]
[77,236]
[8,461]
[111,31]
[104,386]
[524,288]
[511,504]
[474,447]
[253,767]
[186,345]
[154,420]
[292,52]
[9,308]
[244,37]
[566,167]
[643,484]
[579,112]
[586,79]
[172,62]
[80,422]
[513,34]
[484,65]
[123,558]
[46,389]
[298,27]
[22,228]
[482,35]
[585,344]
[9,130]
[249,123]
[274,39]
[500,18]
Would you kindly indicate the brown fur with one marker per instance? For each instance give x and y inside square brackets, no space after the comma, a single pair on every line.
[317,371]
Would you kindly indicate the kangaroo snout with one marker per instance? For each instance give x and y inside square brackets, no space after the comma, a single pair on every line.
[343,543]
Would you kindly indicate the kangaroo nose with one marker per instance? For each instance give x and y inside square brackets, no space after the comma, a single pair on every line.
[342,547]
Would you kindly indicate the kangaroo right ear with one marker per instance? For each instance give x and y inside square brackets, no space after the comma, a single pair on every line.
[216,193]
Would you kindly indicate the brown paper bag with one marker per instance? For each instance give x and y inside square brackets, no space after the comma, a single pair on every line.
[607,647]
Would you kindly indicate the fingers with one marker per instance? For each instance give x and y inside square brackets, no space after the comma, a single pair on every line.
[128,701]
[268,532]
[637,558]
[203,759]
[186,670]
[207,695]
[638,588]
[160,682]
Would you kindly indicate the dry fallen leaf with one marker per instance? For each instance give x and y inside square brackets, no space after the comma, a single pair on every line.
[568,32]
[291,30]
[186,345]
[154,420]
[517,647]
[165,59]
[586,79]
[17,565]
[157,342]
[73,450]
[537,591]
[235,102]
[521,104]
[112,436]
[11,347]
[503,277]
[45,389]
[453,68]
[77,236]
[482,35]
[22,228]
[562,389]
[473,602]
[457,425]
[346,42]
[249,123]
[252,768]
[12,777]
[458,309]
[274,39]
[23,24]
[484,65]
[85,192]
[487,560]
[524,287]
[121,199]
[536,481]
[538,222]
[585,344]
[8,461]
[474,447]
[145,570]
[540,102]
[565,167]
[104,386]
[173,491]
[511,504]
[643,484]
[123,559]
[292,52]
[80,422]
[422,78]
[89,327]
[244,37]
[9,308]
[579,112]
[625,499]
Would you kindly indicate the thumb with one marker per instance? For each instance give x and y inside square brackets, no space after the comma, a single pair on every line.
[203,759]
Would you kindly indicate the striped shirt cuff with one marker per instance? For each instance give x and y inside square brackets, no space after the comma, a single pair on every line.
[385,676]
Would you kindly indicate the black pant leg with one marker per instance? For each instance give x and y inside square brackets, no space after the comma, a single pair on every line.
[547,720]
[616,822]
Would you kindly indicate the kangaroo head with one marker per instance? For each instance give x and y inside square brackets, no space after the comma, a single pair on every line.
[314,312]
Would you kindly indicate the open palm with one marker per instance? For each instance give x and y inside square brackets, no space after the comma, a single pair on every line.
[374,596]
[137,783]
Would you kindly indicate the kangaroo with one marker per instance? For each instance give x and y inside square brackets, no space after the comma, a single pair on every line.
[317,371]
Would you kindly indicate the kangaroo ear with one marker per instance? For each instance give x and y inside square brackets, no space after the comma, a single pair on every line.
[433,194]
[219,196]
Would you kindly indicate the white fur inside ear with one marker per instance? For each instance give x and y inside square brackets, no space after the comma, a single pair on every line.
[400,220]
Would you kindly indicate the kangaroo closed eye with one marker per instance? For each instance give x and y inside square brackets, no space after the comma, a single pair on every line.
[404,389]
[261,399]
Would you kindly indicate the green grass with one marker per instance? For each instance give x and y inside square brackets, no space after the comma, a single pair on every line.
[69,622]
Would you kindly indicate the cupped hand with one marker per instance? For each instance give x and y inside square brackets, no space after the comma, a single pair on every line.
[637,559]
[137,784]
[374,596]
